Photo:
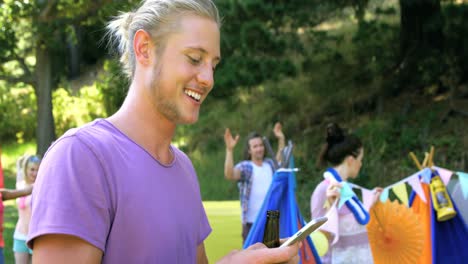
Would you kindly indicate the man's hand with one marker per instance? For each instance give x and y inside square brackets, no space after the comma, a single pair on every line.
[229,140]
[277,130]
[259,254]
[333,192]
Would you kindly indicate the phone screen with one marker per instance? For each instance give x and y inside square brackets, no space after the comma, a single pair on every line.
[310,227]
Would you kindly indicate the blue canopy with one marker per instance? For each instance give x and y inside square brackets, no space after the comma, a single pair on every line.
[281,196]
[448,238]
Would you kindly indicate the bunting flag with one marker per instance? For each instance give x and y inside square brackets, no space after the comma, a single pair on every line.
[463,179]
[457,198]
[444,174]
[401,192]
[346,194]
[426,175]
[384,195]
[415,183]
[367,198]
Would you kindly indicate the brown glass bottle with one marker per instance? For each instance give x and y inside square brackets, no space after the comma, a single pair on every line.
[271,233]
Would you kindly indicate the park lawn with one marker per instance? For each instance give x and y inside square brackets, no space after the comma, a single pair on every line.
[10,215]
[224,217]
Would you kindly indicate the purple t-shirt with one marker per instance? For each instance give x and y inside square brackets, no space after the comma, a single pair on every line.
[97,184]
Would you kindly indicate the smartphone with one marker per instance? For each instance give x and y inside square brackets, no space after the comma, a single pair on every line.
[310,227]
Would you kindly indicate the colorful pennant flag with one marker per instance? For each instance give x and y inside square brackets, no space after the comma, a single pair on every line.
[444,174]
[384,195]
[367,197]
[426,175]
[401,192]
[415,183]
[463,178]
[346,193]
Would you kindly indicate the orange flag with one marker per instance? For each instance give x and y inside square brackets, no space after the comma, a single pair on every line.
[424,211]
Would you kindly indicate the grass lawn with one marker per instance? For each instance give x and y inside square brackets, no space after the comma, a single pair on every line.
[224,217]
[10,217]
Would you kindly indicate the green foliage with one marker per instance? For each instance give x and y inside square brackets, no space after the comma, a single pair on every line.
[456,36]
[17,112]
[18,119]
[75,110]
[10,152]
[211,176]
[113,85]
[260,39]
[33,34]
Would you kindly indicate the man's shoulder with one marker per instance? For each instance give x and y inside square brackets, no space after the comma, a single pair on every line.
[91,129]
[244,163]
[93,134]
[180,154]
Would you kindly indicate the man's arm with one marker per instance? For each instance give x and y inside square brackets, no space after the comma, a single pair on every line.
[277,130]
[201,254]
[8,194]
[230,173]
[56,248]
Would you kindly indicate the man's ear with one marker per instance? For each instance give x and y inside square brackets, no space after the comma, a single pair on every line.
[143,47]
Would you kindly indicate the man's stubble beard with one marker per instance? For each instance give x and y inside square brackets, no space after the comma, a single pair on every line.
[162,104]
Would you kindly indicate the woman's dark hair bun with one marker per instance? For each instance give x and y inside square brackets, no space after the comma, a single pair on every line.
[335,134]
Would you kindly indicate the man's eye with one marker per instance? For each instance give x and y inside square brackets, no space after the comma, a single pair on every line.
[194,61]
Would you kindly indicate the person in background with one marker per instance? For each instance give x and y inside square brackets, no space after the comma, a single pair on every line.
[348,242]
[253,175]
[8,194]
[29,167]
[116,190]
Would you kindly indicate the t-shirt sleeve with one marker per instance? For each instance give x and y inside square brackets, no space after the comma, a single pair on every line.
[205,228]
[242,166]
[70,195]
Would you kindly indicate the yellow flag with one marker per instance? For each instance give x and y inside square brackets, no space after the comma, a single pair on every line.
[401,193]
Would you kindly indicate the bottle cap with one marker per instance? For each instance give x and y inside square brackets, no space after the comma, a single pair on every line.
[273,213]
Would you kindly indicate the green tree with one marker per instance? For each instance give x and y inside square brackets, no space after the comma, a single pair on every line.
[261,39]
[421,42]
[33,34]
